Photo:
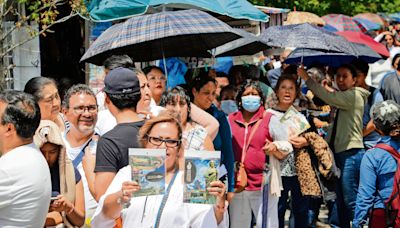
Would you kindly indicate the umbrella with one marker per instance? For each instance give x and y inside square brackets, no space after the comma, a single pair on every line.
[101,10]
[310,56]
[342,23]
[395,17]
[358,37]
[330,28]
[367,24]
[305,36]
[182,33]
[298,17]
[249,44]
[372,17]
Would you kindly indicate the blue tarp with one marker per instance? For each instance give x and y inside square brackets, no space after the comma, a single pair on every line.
[109,10]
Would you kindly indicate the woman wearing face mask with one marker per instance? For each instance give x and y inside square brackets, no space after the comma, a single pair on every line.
[227,100]
[203,91]
[249,134]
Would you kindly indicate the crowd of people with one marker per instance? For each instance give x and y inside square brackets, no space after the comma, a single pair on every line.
[64,160]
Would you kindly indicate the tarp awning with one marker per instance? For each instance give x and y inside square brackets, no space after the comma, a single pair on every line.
[110,10]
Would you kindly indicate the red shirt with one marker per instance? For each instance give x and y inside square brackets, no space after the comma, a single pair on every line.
[254,161]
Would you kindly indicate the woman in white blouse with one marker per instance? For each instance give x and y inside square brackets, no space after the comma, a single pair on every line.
[162,132]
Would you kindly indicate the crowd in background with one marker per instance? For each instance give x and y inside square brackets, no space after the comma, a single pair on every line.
[84,139]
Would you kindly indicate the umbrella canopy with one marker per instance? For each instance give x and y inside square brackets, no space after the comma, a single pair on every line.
[342,23]
[372,17]
[358,37]
[330,28]
[367,24]
[395,17]
[305,36]
[310,56]
[249,44]
[182,33]
[298,17]
[101,10]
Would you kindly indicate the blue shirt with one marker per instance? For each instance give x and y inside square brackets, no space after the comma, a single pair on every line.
[273,76]
[223,143]
[376,181]
[375,97]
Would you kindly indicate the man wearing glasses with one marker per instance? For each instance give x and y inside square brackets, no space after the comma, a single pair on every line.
[122,90]
[80,109]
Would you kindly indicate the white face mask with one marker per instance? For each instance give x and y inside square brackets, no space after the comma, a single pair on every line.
[229,106]
[251,103]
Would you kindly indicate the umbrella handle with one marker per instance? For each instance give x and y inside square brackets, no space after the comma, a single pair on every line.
[165,66]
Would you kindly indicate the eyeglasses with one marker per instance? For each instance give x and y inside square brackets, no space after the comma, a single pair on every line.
[82,109]
[154,78]
[156,141]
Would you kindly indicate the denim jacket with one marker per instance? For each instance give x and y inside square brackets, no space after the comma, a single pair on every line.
[376,181]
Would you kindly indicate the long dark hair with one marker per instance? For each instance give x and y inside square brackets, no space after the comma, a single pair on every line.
[198,83]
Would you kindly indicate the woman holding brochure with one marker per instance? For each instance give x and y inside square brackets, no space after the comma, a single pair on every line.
[283,175]
[168,210]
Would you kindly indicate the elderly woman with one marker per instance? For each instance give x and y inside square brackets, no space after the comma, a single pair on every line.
[378,167]
[161,132]
[45,92]
[68,204]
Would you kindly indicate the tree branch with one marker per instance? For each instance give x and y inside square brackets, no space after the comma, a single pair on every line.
[2,55]
[25,19]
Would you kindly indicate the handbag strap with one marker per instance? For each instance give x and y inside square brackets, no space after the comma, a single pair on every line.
[253,131]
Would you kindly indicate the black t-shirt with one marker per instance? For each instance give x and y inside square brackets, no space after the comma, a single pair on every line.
[112,148]
[55,178]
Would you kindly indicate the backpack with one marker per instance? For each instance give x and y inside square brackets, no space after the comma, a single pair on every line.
[392,204]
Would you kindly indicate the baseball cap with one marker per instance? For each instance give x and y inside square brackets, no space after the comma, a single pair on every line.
[121,80]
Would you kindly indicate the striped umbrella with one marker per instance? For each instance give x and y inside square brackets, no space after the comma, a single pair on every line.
[367,24]
[182,33]
[372,17]
[342,23]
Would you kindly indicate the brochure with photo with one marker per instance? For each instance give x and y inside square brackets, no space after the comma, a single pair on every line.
[295,121]
[148,170]
[201,168]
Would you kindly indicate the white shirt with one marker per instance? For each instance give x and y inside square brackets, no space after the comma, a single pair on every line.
[143,210]
[106,121]
[25,188]
[72,153]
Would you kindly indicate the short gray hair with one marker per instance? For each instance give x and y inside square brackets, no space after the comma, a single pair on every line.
[77,89]
[386,116]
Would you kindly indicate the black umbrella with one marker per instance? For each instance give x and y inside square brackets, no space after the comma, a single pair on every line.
[185,33]
[249,44]
[309,57]
[306,36]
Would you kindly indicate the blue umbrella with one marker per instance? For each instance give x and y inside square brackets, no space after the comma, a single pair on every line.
[185,33]
[367,24]
[249,44]
[395,17]
[310,56]
[305,36]
[329,28]
[102,10]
